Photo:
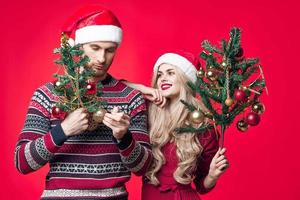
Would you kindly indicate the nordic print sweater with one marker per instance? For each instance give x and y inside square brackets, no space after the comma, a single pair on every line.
[92,165]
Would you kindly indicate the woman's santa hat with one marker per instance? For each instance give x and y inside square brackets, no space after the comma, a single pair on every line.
[93,23]
[185,61]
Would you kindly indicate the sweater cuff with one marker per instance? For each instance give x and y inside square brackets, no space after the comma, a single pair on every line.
[58,135]
[125,142]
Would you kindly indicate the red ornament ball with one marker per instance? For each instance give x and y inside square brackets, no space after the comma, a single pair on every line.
[240,95]
[91,89]
[240,53]
[253,119]
[58,113]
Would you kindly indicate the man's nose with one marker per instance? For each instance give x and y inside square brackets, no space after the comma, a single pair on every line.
[101,57]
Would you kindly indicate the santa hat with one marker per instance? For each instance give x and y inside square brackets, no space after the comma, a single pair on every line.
[93,23]
[185,61]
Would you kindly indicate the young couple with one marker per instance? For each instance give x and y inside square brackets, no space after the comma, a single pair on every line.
[97,164]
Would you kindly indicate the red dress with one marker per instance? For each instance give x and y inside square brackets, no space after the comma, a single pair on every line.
[169,189]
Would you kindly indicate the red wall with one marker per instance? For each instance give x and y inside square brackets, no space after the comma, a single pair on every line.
[264,160]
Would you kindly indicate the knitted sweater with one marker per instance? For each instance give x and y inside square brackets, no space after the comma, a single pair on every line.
[93,164]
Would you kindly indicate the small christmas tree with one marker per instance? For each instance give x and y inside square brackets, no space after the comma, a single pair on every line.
[228,86]
[73,87]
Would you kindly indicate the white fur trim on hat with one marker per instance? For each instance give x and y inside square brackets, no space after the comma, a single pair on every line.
[95,33]
[179,61]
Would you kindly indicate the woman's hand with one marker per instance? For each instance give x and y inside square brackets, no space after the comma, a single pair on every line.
[218,165]
[154,96]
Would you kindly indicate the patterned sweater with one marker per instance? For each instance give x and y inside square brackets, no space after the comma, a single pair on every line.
[92,165]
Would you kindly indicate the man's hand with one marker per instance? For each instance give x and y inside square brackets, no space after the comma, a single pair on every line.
[76,122]
[118,121]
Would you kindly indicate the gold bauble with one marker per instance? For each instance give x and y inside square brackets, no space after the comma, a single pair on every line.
[93,125]
[99,115]
[58,84]
[258,108]
[228,102]
[197,116]
[242,126]
[211,75]
[200,73]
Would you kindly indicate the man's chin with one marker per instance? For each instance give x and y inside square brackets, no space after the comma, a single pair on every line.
[100,76]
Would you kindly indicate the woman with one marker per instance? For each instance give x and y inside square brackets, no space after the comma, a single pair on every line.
[180,159]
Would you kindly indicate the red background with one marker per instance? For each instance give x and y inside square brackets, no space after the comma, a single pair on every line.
[264,161]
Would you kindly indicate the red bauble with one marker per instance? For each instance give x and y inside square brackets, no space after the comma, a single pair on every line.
[58,113]
[240,53]
[91,89]
[252,119]
[240,95]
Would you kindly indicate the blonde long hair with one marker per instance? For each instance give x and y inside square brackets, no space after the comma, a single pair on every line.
[162,130]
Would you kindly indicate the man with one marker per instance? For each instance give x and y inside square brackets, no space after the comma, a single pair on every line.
[88,164]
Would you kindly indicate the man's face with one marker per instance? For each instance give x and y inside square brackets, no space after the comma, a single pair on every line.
[101,56]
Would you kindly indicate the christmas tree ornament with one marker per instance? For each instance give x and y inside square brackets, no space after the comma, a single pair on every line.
[252,119]
[242,126]
[229,102]
[258,108]
[197,116]
[224,64]
[211,75]
[99,115]
[239,54]
[92,125]
[91,89]
[201,73]
[57,84]
[240,96]
[58,113]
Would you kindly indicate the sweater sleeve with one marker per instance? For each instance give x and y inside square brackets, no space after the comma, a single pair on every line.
[209,142]
[135,147]
[37,141]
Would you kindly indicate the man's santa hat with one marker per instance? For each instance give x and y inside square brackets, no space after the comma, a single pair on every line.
[185,61]
[93,23]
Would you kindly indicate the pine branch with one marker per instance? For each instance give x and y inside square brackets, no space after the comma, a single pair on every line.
[206,45]
[189,106]
[190,129]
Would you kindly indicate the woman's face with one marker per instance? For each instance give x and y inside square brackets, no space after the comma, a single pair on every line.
[168,81]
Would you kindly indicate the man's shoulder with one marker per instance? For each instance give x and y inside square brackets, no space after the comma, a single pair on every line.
[122,87]
[46,90]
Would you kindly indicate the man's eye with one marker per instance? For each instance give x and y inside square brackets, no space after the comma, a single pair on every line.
[95,48]
[112,50]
